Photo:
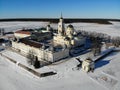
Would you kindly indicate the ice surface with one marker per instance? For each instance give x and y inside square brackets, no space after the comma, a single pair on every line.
[113,30]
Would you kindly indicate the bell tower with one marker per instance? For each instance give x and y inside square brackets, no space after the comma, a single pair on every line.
[61,26]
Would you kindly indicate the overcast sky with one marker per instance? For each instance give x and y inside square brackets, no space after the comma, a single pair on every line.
[53,8]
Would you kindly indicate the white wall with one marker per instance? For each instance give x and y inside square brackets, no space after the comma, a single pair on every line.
[41,54]
[61,54]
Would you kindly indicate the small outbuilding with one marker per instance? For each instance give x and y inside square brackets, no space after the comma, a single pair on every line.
[88,65]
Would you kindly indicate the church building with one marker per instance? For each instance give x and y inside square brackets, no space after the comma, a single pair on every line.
[48,48]
[68,36]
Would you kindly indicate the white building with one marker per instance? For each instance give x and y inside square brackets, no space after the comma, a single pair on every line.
[88,65]
[43,54]
[68,37]
[57,49]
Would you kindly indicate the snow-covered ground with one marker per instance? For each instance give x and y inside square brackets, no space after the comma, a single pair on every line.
[14,26]
[113,30]
[105,76]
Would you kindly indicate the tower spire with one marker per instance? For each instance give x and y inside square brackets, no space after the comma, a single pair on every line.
[61,28]
[61,15]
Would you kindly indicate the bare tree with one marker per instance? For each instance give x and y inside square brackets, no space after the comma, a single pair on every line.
[96,45]
[116,41]
[36,63]
[30,57]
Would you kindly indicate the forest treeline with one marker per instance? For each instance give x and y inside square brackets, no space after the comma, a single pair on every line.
[66,20]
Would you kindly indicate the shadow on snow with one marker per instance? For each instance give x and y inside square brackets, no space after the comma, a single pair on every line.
[101,63]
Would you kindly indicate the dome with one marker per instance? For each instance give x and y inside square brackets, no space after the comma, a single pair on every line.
[76,38]
[89,60]
[67,38]
[70,26]
[74,33]
[48,25]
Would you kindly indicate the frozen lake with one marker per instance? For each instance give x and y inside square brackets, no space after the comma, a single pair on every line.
[112,29]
